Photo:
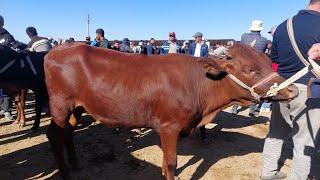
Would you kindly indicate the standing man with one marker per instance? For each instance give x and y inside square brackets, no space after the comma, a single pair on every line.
[254,38]
[199,48]
[125,46]
[185,47]
[259,43]
[100,40]
[171,46]
[5,102]
[5,37]
[300,119]
[37,43]
[151,48]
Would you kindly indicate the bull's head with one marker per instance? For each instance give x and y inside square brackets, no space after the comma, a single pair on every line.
[252,68]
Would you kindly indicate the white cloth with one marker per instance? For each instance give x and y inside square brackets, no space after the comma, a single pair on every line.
[197,51]
[42,45]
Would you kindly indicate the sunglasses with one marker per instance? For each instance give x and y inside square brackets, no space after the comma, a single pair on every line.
[171,36]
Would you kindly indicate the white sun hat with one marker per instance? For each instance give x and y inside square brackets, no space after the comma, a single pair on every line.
[256,25]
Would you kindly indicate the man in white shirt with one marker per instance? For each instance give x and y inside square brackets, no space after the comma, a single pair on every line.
[199,48]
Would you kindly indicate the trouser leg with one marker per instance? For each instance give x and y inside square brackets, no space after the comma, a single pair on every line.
[6,105]
[306,124]
[278,133]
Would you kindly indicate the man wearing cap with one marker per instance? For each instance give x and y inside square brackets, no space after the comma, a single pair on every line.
[171,46]
[300,119]
[37,43]
[199,48]
[100,40]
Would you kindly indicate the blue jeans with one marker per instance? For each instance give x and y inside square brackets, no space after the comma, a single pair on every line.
[5,102]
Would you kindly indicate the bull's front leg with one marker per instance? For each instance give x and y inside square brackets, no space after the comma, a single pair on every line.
[169,137]
[39,103]
[16,104]
[21,105]
[19,101]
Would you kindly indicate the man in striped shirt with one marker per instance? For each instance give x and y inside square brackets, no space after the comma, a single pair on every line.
[171,46]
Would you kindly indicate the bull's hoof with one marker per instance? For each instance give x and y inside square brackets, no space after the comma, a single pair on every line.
[22,124]
[35,127]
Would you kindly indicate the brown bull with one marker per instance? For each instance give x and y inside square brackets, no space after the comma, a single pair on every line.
[173,94]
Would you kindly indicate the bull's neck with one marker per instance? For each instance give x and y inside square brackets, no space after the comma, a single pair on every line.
[216,95]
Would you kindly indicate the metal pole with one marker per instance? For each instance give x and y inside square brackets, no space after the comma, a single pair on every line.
[88,24]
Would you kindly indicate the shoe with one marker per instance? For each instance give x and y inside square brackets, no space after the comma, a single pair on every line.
[253,114]
[8,116]
[1,112]
[265,110]
[278,175]
[234,110]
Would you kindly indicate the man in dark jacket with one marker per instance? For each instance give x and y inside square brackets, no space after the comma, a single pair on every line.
[100,40]
[5,102]
[151,48]
[5,37]
[125,46]
[299,120]
[199,48]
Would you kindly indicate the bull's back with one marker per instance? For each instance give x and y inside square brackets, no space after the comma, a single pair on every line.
[116,86]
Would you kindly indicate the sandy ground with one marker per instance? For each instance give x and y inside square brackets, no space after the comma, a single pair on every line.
[232,151]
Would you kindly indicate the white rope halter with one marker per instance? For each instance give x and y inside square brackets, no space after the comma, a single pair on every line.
[255,95]
[275,88]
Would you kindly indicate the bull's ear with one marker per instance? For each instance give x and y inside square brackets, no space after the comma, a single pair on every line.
[217,69]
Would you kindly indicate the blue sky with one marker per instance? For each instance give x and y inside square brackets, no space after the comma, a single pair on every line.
[142,19]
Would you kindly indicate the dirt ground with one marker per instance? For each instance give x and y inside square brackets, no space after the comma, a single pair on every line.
[232,151]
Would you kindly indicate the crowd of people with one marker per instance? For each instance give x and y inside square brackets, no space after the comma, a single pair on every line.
[299,120]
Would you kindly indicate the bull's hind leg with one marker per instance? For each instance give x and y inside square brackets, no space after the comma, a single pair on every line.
[56,132]
[55,135]
[169,138]
[72,157]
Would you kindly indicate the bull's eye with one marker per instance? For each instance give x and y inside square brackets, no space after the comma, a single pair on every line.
[249,71]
